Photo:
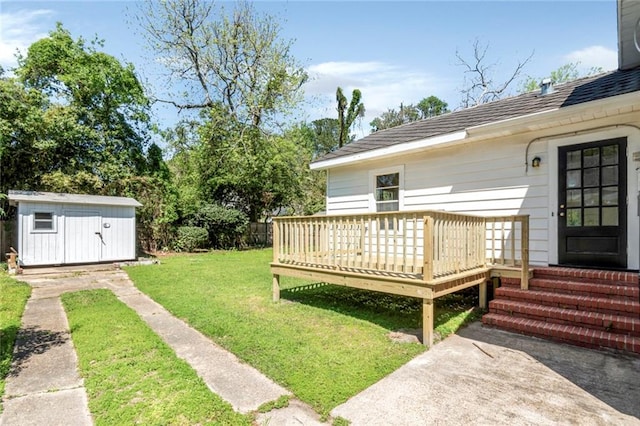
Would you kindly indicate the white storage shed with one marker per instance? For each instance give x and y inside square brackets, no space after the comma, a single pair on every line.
[57,229]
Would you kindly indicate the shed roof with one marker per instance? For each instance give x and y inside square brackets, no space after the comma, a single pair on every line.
[576,92]
[16,197]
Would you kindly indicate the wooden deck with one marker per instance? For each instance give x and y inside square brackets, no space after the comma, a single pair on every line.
[424,254]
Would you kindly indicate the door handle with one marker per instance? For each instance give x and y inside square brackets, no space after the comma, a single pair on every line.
[561,214]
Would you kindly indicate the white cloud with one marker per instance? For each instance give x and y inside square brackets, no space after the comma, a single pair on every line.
[18,30]
[383,86]
[594,56]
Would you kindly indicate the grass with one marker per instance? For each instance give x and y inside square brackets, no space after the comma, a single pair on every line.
[13,298]
[324,343]
[131,375]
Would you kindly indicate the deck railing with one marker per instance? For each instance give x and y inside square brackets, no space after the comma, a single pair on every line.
[394,243]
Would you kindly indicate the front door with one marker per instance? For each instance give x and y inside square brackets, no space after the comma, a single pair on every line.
[592,213]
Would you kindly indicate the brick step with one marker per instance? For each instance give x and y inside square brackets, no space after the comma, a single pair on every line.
[588,276]
[570,301]
[575,335]
[605,322]
[582,289]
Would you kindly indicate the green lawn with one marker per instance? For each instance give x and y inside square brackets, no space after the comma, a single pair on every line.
[131,375]
[13,298]
[325,344]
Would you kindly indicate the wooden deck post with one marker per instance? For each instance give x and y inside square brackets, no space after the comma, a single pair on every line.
[482,295]
[276,287]
[427,322]
[427,241]
[524,280]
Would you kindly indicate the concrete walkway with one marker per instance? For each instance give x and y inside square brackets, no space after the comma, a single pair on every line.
[43,386]
[490,377]
[480,376]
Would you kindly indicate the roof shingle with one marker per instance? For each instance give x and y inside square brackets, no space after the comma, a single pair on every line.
[576,92]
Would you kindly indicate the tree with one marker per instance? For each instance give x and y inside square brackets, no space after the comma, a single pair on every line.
[432,106]
[392,118]
[562,74]
[479,85]
[347,113]
[426,108]
[21,127]
[238,62]
[326,136]
[94,113]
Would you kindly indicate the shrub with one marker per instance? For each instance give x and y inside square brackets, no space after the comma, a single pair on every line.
[225,225]
[191,238]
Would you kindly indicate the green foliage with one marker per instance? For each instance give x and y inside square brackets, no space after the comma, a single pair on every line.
[21,126]
[247,170]
[281,402]
[562,74]
[225,226]
[73,119]
[13,298]
[426,108]
[339,421]
[131,375]
[159,212]
[191,238]
[326,136]
[348,112]
[432,106]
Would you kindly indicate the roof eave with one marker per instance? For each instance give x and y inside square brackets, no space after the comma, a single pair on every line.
[505,127]
[401,148]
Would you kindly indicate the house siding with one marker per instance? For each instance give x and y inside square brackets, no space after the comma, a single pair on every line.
[488,178]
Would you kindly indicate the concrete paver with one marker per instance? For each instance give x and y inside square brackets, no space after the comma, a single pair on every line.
[61,408]
[244,387]
[44,373]
[44,358]
[486,376]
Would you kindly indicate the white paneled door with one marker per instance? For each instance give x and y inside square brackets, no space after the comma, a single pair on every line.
[82,236]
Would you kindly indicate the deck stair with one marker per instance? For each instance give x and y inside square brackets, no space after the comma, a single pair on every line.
[590,308]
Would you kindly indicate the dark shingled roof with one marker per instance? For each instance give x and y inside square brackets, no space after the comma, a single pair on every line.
[573,93]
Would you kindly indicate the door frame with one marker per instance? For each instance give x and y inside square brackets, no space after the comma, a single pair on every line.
[633,176]
[617,258]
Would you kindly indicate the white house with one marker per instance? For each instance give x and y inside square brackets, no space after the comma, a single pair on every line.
[567,156]
[56,229]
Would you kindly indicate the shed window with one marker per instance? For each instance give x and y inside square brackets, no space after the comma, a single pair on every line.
[43,221]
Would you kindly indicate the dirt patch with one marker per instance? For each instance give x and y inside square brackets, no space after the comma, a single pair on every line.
[412,335]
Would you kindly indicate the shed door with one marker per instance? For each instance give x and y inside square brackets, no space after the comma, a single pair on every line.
[82,237]
[592,222]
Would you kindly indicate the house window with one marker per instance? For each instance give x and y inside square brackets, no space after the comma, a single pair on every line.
[387,193]
[43,221]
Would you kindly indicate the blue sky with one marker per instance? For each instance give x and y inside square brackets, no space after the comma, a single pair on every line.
[392,51]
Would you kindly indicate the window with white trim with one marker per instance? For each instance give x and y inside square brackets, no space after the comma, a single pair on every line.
[387,192]
[43,221]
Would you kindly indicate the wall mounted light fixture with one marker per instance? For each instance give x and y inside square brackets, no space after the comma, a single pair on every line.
[535,162]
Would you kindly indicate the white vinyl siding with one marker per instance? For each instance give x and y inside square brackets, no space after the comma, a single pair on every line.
[486,179]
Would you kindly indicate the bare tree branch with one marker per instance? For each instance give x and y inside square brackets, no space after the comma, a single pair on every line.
[479,86]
